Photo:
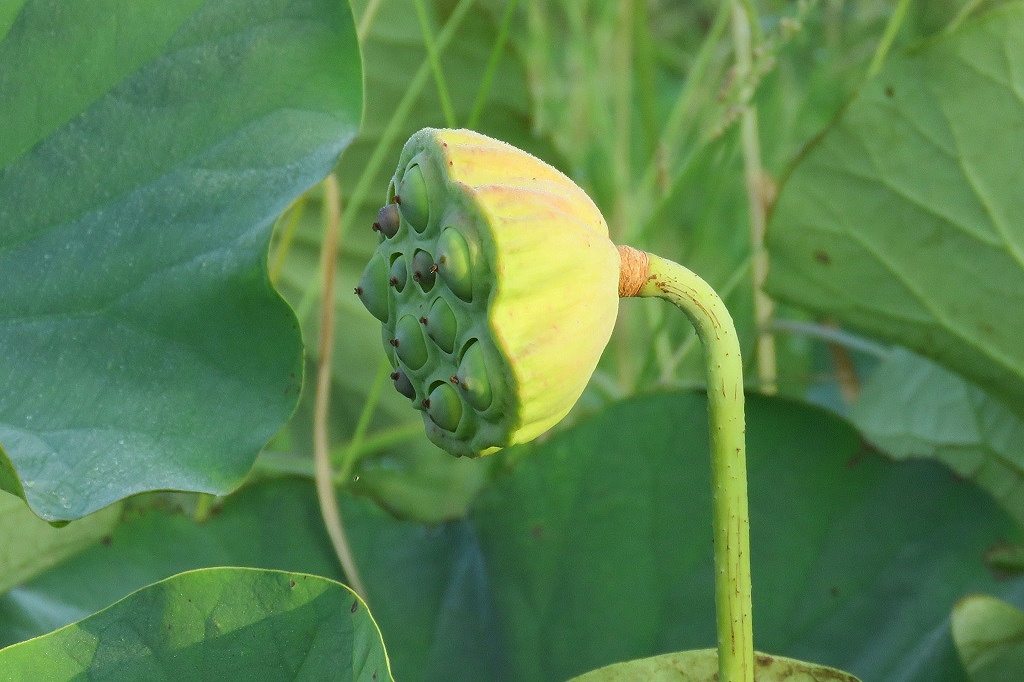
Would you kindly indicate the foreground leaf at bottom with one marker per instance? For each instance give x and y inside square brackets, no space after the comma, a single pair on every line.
[702,666]
[218,623]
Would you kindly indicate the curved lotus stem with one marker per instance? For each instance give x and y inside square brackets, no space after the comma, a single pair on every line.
[647,275]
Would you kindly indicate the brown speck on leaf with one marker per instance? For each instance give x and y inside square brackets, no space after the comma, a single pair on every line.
[355,606]
[454,379]
[426,402]
[764,660]
[394,342]
[822,257]
[358,290]
[423,320]
[398,199]
[417,276]
[393,281]
[291,583]
[376,227]
[889,92]
[106,541]
[394,376]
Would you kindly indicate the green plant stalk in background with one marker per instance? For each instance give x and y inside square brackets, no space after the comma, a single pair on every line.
[646,275]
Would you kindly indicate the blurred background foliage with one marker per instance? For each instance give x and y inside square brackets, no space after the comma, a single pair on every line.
[543,560]
[639,103]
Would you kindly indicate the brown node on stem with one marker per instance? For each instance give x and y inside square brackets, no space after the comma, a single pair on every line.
[633,271]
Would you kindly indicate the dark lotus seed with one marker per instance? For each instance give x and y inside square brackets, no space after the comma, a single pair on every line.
[472,376]
[399,273]
[413,200]
[387,220]
[455,263]
[412,349]
[402,384]
[423,269]
[442,326]
[373,288]
[444,406]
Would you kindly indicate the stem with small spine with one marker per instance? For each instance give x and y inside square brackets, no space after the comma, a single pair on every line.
[647,275]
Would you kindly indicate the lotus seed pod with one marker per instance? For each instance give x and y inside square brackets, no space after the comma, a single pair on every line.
[409,342]
[444,407]
[402,384]
[373,287]
[441,325]
[413,199]
[455,263]
[516,296]
[387,220]
[423,269]
[472,377]
[399,274]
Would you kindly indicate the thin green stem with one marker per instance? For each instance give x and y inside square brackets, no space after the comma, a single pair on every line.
[350,455]
[204,507]
[671,137]
[271,464]
[713,323]
[492,64]
[962,16]
[646,82]
[435,65]
[324,475]
[830,334]
[751,11]
[888,37]
[292,217]
[381,151]
[743,24]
